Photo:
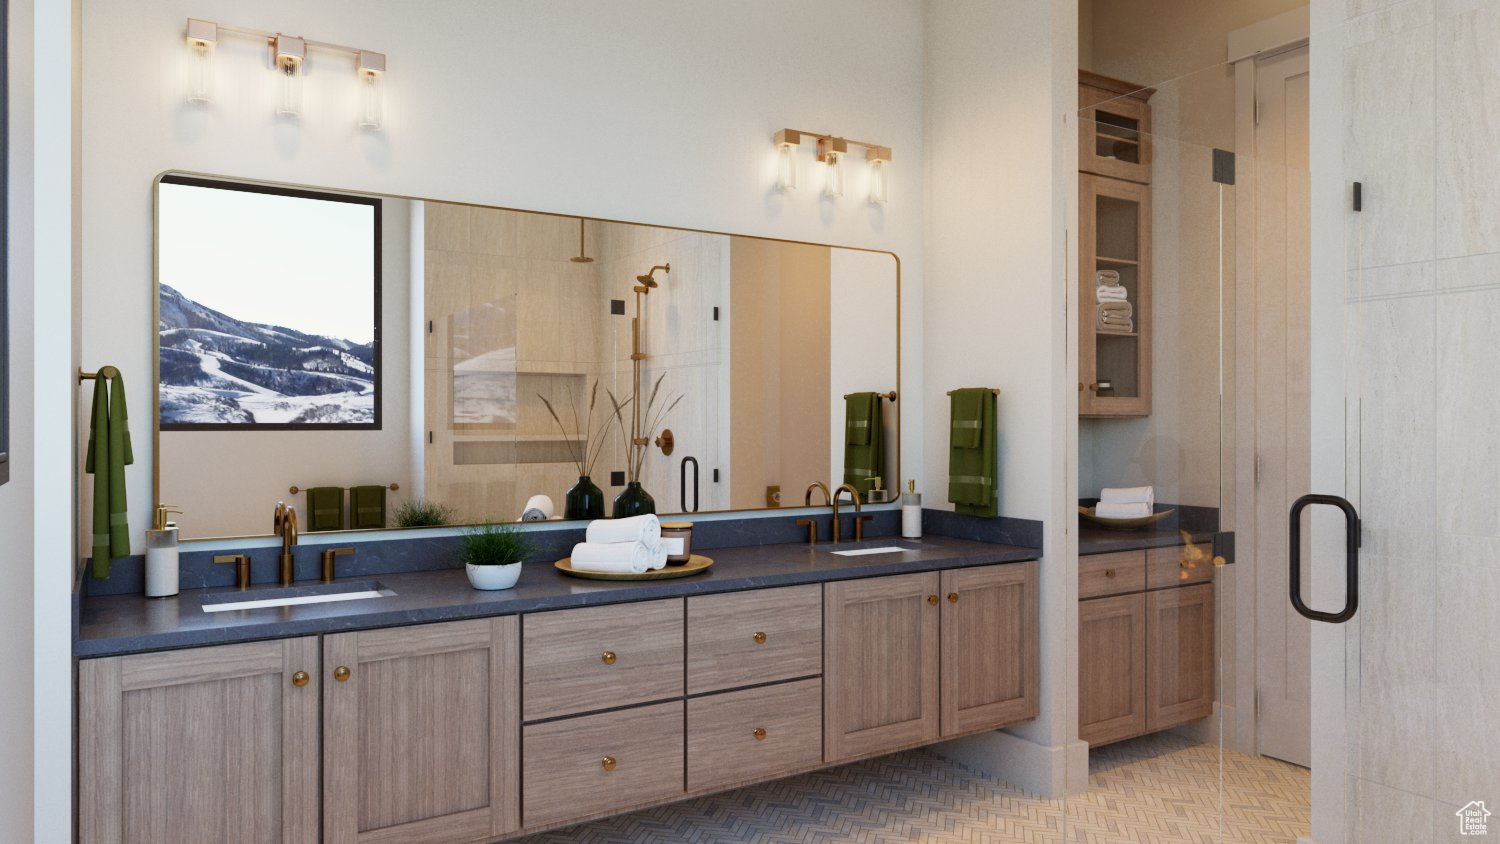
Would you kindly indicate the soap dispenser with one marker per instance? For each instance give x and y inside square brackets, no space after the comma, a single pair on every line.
[161,554]
[911,512]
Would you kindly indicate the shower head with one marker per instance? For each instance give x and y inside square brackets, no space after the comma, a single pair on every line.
[649,279]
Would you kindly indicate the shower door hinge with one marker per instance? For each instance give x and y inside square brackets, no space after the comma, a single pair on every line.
[429,438]
[429,326]
[1359,196]
[716,313]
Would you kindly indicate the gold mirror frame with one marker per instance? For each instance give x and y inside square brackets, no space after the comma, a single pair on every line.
[894,471]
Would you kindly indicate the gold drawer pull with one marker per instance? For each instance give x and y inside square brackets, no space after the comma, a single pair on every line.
[952,597]
[759,733]
[760,638]
[608,763]
[300,679]
[341,673]
[932,599]
[609,657]
[1109,572]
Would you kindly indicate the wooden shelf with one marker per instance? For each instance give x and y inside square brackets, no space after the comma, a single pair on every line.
[1098,333]
[1124,262]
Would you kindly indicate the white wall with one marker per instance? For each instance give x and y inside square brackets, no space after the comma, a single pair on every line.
[861,358]
[1002,166]
[658,111]
[36,507]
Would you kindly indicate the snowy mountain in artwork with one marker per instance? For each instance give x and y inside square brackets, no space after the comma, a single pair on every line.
[216,369]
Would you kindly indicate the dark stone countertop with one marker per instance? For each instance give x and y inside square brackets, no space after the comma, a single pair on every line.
[1097,540]
[122,624]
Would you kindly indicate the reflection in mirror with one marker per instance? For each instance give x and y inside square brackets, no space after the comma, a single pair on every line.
[508,340]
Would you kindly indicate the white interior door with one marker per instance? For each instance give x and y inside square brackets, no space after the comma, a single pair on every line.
[1281,284]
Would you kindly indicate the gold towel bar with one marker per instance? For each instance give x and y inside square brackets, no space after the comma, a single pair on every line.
[891,396]
[992,389]
[296,489]
[104,372]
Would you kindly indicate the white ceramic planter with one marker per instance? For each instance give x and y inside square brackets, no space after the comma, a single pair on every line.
[493,577]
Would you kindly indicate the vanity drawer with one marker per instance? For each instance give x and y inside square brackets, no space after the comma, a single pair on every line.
[745,638]
[1179,565]
[576,767]
[1111,574]
[601,657]
[722,746]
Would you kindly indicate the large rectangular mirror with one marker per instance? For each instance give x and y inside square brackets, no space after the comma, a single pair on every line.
[744,369]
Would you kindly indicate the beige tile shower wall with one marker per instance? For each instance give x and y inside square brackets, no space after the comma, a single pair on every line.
[252,470]
[476,256]
[780,371]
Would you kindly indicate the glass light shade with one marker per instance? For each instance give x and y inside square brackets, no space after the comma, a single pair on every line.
[371,100]
[833,176]
[786,167]
[200,72]
[289,88]
[879,187]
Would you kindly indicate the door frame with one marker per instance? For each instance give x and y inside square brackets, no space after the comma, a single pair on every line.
[1284,32]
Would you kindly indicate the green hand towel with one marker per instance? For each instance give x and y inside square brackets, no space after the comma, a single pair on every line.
[863,461]
[325,508]
[973,473]
[367,507]
[108,454]
[966,416]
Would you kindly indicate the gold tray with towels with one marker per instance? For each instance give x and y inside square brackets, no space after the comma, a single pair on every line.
[695,564]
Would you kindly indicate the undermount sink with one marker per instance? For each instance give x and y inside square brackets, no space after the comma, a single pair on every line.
[289,596]
[879,546]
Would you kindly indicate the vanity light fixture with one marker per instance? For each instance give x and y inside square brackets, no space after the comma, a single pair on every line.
[288,55]
[831,153]
[880,159]
[787,141]
[202,38]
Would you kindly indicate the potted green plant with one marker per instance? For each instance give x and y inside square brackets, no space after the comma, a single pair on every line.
[423,513]
[492,555]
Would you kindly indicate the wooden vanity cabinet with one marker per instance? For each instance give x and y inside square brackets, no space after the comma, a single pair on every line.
[990,653]
[1179,655]
[420,733]
[210,744]
[1111,668]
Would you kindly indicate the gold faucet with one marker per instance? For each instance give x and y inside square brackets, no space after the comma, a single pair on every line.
[812,524]
[285,524]
[859,520]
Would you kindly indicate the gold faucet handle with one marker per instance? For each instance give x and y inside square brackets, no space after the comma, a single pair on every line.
[241,568]
[328,558]
[859,527]
[812,530]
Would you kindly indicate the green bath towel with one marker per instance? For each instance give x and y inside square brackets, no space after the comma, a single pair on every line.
[108,455]
[973,465]
[864,441]
[325,508]
[366,507]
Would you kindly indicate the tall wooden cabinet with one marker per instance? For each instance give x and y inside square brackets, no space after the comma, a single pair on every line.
[1114,221]
[212,744]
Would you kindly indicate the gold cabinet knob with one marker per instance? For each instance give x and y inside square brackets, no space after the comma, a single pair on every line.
[1094,388]
[952,597]
[759,637]
[609,658]
[759,733]
[341,673]
[1183,564]
[1109,572]
[300,679]
[608,763]
[932,599]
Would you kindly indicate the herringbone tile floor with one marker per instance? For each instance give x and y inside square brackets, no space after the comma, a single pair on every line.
[1156,790]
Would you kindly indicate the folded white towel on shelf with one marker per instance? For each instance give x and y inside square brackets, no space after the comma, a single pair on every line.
[1121,510]
[1126,327]
[1107,278]
[1111,294]
[539,508]
[1128,494]
[644,529]
[623,557]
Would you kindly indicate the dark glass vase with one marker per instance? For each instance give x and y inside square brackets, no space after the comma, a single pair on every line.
[634,501]
[585,501]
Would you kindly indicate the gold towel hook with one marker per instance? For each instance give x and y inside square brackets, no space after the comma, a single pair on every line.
[891,396]
[104,372]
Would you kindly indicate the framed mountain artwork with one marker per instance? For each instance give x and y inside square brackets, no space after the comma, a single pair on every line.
[268,307]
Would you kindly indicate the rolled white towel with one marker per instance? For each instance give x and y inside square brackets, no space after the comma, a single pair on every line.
[623,557]
[1107,294]
[1119,510]
[539,508]
[1128,495]
[644,529]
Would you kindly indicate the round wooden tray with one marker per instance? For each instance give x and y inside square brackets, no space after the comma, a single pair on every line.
[696,563]
[1123,524]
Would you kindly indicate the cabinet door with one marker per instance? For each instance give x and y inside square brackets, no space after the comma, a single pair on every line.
[421,733]
[1111,668]
[1179,655]
[1114,366]
[880,665]
[989,644]
[1114,135]
[209,744]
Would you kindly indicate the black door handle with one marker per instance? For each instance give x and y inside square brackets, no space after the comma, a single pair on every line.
[682,478]
[1351,559]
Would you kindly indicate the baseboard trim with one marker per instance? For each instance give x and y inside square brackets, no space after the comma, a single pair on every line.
[1206,730]
[1048,771]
